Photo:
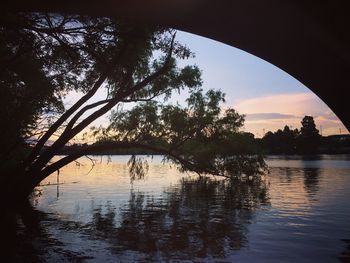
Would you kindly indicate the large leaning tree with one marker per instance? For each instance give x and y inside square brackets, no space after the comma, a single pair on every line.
[44,56]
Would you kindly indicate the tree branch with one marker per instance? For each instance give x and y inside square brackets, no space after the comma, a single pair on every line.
[146,99]
[65,137]
[95,149]
[82,111]
[36,150]
[122,95]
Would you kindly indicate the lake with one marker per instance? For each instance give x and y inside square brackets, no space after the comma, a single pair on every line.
[299,212]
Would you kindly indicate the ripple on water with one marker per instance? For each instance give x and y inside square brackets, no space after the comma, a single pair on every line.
[300,213]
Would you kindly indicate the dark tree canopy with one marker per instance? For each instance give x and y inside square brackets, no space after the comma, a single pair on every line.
[200,137]
[309,138]
[44,56]
[304,141]
[282,141]
[308,128]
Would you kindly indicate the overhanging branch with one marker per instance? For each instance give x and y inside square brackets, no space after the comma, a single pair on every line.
[83,110]
[38,147]
[95,149]
[123,94]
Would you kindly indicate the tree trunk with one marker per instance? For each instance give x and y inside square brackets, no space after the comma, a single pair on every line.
[17,189]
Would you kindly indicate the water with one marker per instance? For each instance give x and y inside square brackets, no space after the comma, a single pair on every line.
[299,212]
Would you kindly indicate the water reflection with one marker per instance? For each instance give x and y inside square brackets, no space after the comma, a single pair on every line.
[198,218]
[25,237]
[311,181]
[298,212]
[288,172]
[297,179]
[18,230]
[345,255]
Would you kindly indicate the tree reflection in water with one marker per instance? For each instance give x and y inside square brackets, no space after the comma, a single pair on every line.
[200,217]
[311,181]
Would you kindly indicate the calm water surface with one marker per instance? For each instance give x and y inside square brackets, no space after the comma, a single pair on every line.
[299,212]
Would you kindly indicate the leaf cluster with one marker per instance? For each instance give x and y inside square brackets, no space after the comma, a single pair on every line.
[200,137]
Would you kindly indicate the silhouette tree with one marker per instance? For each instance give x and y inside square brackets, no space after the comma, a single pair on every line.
[282,141]
[47,55]
[309,138]
[26,92]
[289,140]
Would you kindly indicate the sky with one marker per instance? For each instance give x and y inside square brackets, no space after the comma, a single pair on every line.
[269,97]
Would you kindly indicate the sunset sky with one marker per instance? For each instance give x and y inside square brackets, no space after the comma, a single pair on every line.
[269,97]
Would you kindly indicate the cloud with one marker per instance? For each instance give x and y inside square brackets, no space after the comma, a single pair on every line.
[268,116]
[330,116]
[273,112]
[295,104]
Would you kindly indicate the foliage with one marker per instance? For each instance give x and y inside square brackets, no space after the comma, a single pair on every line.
[309,138]
[282,141]
[287,141]
[26,90]
[44,56]
[200,137]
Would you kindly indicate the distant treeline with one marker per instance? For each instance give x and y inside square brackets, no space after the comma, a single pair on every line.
[124,151]
[307,140]
[280,142]
[277,143]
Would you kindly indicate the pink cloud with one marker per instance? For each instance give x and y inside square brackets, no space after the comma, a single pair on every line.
[274,112]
